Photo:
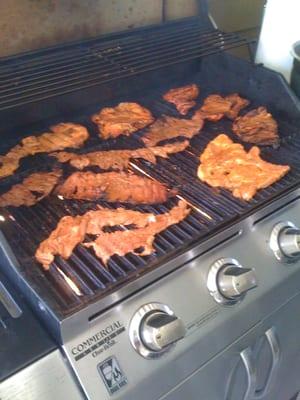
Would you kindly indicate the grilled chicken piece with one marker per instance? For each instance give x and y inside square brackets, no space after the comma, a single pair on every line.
[112,187]
[71,231]
[170,127]
[215,107]
[124,242]
[118,159]
[63,135]
[33,189]
[257,126]
[183,97]
[226,164]
[124,119]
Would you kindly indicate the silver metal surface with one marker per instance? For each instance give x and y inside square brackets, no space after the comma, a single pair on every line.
[246,356]
[47,379]
[234,282]
[285,242]
[211,327]
[159,330]
[9,303]
[275,353]
[226,285]
[152,332]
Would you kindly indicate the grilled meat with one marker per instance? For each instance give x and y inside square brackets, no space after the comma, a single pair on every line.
[124,242]
[257,126]
[113,186]
[124,119]
[183,97]
[63,135]
[118,159]
[33,189]
[237,104]
[215,107]
[170,127]
[226,164]
[71,231]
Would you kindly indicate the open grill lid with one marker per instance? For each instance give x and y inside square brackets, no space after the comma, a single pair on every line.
[99,68]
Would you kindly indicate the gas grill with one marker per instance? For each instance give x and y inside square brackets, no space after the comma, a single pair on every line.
[117,325]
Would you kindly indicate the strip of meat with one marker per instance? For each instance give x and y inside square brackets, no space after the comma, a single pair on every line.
[124,242]
[124,119]
[183,97]
[257,126]
[118,159]
[215,107]
[113,186]
[71,231]
[171,127]
[226,164]
[63,135]
[33,189]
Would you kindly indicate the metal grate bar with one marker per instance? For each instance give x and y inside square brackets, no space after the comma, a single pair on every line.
[76,56]
[91,64]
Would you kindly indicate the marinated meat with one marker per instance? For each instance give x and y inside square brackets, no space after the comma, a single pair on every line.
[226,164]
[71,231]
[113,186]
[63,135]
[124,119]
[33,189]
[118,159]
[124,242]
[183,97]
[215,107]
[257,126]
[237,104]
[171,127]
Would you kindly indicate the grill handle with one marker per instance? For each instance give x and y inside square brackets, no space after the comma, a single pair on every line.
[246,356]
[9,303]
[275,351]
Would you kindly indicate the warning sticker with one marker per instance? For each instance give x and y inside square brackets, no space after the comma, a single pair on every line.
[112,375]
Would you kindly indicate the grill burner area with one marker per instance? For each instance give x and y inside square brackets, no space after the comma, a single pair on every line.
[44,86]
[83,278]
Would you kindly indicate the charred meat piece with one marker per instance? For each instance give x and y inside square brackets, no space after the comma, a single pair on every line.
[33,189]
[257,126]
[183,97]
[63,135]
[226,164]
[124,119]
[71,231]
[113,186]
[124,242]
[170,127]
[215,107]
[118,159]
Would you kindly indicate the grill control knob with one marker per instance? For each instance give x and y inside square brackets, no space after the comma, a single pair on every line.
[154,329]
[285,242]
[228,281]
[160,329]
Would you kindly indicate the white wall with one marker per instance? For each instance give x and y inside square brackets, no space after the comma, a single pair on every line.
[281,28]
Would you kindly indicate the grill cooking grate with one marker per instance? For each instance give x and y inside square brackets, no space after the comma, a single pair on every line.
[52,72]
[83,278]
